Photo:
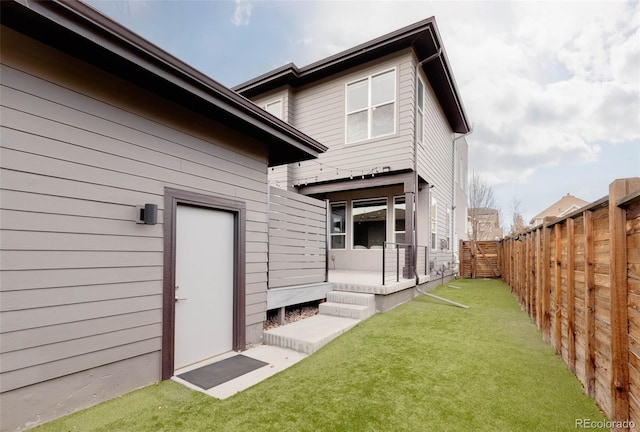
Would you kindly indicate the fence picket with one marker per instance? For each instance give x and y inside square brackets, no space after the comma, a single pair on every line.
[573,276]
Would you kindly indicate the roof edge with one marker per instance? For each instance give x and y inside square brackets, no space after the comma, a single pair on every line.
[87,23]
[423,37]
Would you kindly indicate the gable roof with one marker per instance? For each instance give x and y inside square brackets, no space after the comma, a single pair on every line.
[561,207]
[423,37]
[483,211]
[81,31]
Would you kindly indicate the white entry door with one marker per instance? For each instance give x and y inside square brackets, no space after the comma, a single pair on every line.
[204,284]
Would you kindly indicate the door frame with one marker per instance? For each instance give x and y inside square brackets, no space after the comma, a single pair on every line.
[172,198]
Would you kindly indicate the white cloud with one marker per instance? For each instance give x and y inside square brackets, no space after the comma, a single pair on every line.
[242,13]
[543,83]
[547,92]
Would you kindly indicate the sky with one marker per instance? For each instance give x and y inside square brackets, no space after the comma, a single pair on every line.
[552,89]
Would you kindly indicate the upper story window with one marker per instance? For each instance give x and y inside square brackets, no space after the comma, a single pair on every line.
[275,108]
[371,107]
[420,111]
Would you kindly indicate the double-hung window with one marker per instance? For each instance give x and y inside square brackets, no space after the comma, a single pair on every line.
[371,107]
[338,225]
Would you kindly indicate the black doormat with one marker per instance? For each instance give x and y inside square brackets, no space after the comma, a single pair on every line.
[214,374]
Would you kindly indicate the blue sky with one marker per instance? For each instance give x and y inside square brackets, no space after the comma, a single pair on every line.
[552,88]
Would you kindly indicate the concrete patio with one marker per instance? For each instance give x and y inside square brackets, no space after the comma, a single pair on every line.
[368,282]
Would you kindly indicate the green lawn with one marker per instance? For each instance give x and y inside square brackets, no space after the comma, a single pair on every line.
[424,366]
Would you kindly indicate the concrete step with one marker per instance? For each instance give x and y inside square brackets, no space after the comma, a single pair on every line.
[351,298]
[346,310]
[310,334]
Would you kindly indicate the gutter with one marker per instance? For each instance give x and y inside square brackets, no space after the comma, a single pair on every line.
[87,25]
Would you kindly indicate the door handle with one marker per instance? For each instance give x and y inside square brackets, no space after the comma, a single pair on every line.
[179,298]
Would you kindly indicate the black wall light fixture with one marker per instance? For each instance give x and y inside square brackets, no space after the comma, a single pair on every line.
[147,214]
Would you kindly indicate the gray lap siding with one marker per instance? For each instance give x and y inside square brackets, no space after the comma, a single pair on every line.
[81,282]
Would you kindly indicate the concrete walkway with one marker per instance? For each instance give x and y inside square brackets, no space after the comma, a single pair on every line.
[309,335]
[286,345]
[278,359]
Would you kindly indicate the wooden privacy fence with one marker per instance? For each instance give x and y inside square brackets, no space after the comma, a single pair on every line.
[579,280]
[297,239]
[479,259]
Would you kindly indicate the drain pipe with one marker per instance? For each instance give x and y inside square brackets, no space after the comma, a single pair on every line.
[414,258]
[442,299]
[453,195]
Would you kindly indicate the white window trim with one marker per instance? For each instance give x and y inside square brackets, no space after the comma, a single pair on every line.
[346,224]
[274,101]
[369,108]
[353,202]
[433,215]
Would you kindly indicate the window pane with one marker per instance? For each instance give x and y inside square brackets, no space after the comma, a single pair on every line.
[338,217]
[382,118]
[399,208]
[369,223]
[383,88]
[419,126]
[420,95]
[357,126]
[357,95]
[337,241]
[275,108]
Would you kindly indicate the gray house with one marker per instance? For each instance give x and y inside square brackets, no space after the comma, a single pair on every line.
[127,178]
[395,173]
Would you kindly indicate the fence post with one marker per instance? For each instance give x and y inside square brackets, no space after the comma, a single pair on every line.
[524,274]
[546,282]
[538,267]
[571,335]
[557,328]
[618,302]
[589,306]
[473,259]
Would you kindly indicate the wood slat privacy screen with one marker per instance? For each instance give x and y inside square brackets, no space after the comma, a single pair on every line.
[297,239]
[579,280]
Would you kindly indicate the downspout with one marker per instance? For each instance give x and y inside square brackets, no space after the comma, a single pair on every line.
[453,196]
[415,169]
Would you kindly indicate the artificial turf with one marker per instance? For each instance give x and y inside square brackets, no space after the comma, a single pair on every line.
[424,366]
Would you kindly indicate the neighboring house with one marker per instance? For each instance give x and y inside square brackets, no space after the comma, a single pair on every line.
[97,122]
[485,223]
[392,117]
[567,204]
